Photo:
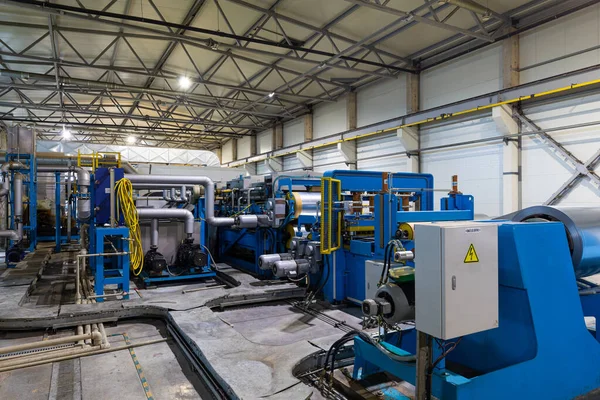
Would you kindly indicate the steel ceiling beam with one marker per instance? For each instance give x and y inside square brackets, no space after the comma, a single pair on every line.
[418,18]
[70,11]
[191,120]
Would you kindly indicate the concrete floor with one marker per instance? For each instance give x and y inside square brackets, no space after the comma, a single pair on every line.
[106,376]
[251,350]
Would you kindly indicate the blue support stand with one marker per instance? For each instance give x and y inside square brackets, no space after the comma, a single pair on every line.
[117,271]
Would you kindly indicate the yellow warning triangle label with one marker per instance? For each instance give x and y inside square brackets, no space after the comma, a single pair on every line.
[471,256]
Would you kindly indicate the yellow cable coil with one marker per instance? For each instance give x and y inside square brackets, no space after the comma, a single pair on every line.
[124,190]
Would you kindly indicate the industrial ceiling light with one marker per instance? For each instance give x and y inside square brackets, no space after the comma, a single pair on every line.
[131,139]
[66,134]
[184,82]
[271,94]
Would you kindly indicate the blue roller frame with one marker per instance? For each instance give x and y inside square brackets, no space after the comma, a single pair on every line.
[347,265]
[541,349]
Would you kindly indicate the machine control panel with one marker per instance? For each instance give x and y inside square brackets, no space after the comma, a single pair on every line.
[456,278]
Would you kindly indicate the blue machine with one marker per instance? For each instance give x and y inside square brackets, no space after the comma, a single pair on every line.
[279,206]
[348,243]
[107,269]
[541,348]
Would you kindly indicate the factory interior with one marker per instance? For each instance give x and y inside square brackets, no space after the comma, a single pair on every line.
[299,199]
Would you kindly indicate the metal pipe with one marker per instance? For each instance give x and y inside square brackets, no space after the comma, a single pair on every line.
[81,353]
[174,213]
[10,234]
[18,203]
[206,182]
[184,197]
[49,343]
[11,165]
[173,194]
[154,234]
[83,181]
[68,207]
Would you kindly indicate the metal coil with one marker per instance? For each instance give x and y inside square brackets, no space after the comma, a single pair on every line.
[306,203]
[582,225]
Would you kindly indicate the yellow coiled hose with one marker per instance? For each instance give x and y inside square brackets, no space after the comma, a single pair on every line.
[126,203]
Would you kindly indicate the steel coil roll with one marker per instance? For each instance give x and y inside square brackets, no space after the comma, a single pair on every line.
[582,225]
[306,203]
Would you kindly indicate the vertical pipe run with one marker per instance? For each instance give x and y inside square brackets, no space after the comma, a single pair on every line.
[69,207]
[18,193]
[154,235]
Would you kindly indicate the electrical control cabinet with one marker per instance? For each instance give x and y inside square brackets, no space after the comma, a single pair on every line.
[456,278]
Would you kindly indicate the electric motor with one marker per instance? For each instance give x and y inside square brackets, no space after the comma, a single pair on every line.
[190,255]
[154,262]
[290,268]
[16,253]
[392,302]
[266,261]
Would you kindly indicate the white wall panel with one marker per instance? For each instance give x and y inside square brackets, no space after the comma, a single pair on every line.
[291,163]
[543,171]
[244,147]
[293,132]
[264,141]
[227,152]
[479,167]
[328,158]
[566,35]
[381,101]
[465,77]
[380,153]
[329,118]
[261,169]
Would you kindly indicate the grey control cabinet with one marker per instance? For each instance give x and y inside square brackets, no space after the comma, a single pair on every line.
[456,278]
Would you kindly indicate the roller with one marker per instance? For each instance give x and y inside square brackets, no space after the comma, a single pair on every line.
[306,203]
[582,225]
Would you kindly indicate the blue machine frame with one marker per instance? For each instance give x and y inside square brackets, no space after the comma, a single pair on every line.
[264,240]
[542,348]
[347,264]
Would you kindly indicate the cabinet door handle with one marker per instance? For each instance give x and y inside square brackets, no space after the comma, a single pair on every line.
[453,282]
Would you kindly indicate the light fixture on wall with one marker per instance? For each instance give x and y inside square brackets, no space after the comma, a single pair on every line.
[184,82]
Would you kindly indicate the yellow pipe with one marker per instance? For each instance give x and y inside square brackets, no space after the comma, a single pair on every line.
[445,116]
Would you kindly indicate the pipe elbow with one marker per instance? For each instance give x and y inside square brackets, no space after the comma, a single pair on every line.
[83,176]
[10,234]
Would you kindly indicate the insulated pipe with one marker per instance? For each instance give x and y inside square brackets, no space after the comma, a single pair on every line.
[154,235]
[5,182]
[175,213]
[173,194]
[12,235]
[18,191]
[184,196]
[83,181]
[206,182]
[166,195]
